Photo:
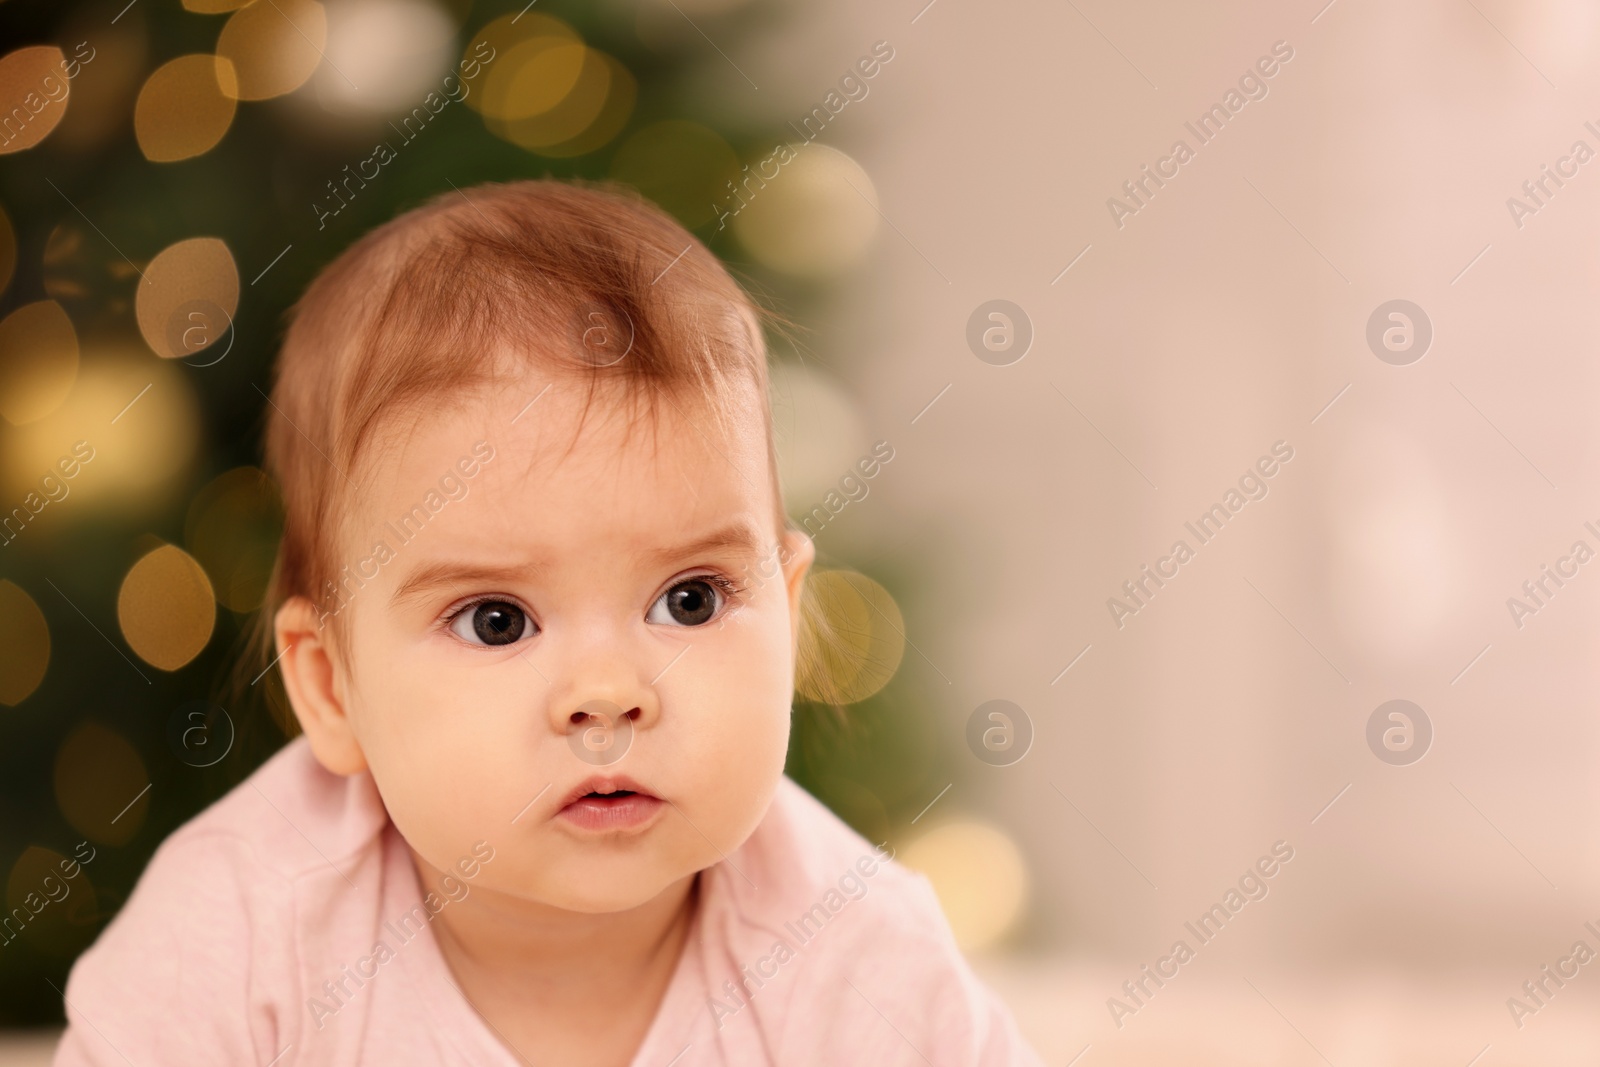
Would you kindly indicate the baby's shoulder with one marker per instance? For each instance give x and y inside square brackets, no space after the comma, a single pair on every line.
[804,853]
[260,857]
[289,818]
[211,927]
[805,850]
[854,937]
[810,870]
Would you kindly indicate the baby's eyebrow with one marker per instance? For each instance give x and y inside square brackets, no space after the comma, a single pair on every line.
[738,537]
[433,575]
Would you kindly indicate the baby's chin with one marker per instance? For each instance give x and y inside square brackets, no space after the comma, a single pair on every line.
[599,888]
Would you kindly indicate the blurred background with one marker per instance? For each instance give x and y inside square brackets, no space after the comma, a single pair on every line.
[1231,357]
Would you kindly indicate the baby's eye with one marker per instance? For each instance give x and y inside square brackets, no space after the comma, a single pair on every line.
[491,622]
[692,602]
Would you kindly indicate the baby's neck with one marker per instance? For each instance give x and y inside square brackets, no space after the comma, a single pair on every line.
[562,986]
[493,930]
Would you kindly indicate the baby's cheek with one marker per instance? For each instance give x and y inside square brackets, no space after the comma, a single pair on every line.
[442,761]
[429,789]
[743,747]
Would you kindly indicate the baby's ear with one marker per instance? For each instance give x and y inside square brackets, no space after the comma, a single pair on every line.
[311,678]
[800,553]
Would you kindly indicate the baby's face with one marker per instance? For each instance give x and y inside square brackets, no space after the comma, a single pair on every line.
[574,660]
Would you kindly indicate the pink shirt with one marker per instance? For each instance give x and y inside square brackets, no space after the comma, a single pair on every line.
[254,937]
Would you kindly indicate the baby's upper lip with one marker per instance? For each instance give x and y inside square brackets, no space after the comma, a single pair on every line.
[603,784]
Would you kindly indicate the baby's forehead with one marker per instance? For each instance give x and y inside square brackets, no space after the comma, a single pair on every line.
[555,420]
[507,458]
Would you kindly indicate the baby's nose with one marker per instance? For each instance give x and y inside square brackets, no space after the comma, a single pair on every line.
[599,682]
[600,732]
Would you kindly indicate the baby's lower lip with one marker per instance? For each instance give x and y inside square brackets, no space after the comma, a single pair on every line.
[615,811]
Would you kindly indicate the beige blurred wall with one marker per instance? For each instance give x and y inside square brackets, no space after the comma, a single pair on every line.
[1221,318]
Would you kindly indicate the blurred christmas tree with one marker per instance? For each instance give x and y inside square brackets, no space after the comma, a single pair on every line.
[170,179]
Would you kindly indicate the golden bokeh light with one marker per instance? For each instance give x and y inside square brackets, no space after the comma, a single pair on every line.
[533,77]
[233,528]
[810,217]
[33,95]
[188,297]
[166,608]
[852,638]
[546,91]
[274,47]
[8,250]
[554,95]
[38,361]
[99,779]
[185,107]
[50,898]
[979,875]
[503,36]
[682,166]
[622,92]
[25,636]
[138,415]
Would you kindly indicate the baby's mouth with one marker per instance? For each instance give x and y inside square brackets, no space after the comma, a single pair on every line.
[607,805]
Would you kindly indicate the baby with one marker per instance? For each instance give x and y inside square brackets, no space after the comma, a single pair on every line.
[536,610]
